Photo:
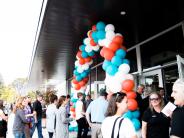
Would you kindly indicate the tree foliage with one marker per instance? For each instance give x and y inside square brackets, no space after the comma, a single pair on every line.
[8,94]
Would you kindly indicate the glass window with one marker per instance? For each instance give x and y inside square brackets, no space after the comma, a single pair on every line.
[131,56]
[162,49]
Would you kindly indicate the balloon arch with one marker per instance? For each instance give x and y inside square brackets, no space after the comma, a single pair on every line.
[115,65]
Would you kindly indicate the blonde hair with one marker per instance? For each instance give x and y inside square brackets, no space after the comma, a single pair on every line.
[160,98]
[18,104]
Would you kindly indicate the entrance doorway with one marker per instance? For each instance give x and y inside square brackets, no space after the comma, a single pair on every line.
[152,79]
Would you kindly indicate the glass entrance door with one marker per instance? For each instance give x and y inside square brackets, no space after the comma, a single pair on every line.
[180,62]
[152,80]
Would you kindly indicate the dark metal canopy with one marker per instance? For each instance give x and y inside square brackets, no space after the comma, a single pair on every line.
[66,22]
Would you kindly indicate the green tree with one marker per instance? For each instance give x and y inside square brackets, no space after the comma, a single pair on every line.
[8,94]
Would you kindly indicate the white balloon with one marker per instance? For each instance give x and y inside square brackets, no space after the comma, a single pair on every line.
[80,70]
[129,77]
[107,42]
[101,42]
[109,27]
[120,76]
[91,62]
[87,41]
[77,63]
[85,66]
[124,68]
[118,34]
[88,48]
[96,48]
[110,35]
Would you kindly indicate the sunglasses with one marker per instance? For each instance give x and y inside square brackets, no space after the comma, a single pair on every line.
[119,94]
[154,99]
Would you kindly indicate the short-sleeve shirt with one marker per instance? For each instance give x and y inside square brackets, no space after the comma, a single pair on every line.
[79,109]
[177,123]
[38,108]
[97,108]
[127,129]
[157,124]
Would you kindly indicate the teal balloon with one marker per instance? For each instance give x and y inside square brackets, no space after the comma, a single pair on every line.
[96,40]
[84,54]
[94,33]
[111,70]
[136,114]
[76,129]
[121,53]
[100,34]
[106,63]
[126,61]
[71,128]
[75,72]
[136,124]
[82,47]
[116,60]
[78,78]
[92,53]
[73,100]
[84,74]
[128,114]
[100,26]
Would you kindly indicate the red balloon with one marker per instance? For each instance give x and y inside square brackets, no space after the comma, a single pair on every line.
[81,61]
[114,46]
[92,42]
[74,81]
[77,86]
[131,95]
[108,54]
[94,27]
[79,54]
[72,109]
[88,59]
[132,104]
[128,85]
[102,51]
[86,79]
[74,115]
[118,39]
[82,83]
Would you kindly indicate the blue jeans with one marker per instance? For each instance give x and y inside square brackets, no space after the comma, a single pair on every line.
[18,134]
[39,128]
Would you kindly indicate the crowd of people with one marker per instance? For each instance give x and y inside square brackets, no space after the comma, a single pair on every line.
[103,116]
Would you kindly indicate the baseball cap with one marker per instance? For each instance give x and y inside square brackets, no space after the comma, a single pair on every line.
[103,92]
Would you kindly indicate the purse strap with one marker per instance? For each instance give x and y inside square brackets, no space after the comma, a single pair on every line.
[112,134]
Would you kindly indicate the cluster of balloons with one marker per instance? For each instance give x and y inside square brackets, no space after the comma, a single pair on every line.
[115,64]
[73,125]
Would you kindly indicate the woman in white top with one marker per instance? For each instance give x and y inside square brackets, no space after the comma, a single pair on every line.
[11,118]
[61,119]
[114,126]
[51,115]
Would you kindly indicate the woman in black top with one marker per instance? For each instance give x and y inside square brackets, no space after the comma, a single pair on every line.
[154,123]
[177,122]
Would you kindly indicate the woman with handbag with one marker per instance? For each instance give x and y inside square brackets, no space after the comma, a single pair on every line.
[114,125]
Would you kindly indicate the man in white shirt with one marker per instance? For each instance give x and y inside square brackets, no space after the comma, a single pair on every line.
[97,109]
[80,117]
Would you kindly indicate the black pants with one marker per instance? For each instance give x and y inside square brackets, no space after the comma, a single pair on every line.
[50,134]
[82,125]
